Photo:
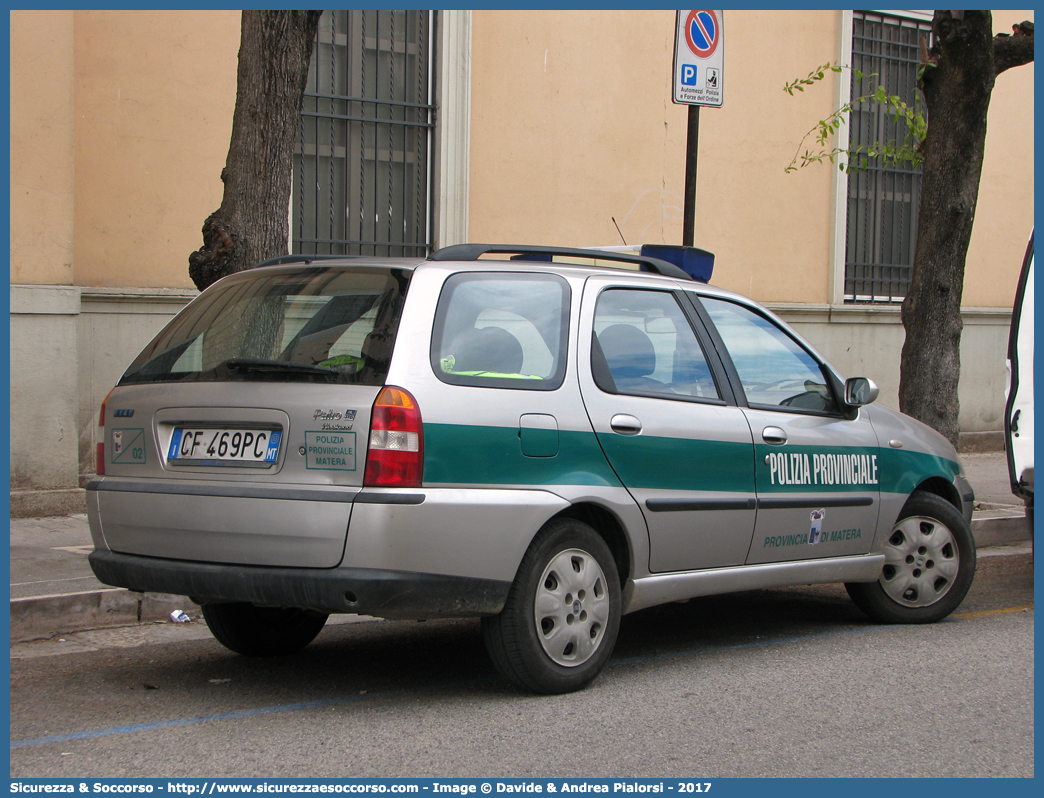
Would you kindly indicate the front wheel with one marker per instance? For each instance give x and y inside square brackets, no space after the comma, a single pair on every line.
[262,631]
[929,565]
[559,624]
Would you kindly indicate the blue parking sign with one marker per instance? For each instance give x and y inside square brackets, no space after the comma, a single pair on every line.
[688,75]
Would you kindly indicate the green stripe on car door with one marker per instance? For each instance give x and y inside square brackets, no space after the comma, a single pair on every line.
[662,463]
[486,455]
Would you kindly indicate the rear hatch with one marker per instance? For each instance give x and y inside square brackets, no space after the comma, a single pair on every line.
[239,434]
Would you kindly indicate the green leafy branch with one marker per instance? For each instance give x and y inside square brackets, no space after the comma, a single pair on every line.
[859,156]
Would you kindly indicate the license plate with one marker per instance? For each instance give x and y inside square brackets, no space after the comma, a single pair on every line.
[238,446]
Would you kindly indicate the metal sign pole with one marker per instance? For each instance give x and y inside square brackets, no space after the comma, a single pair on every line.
[692,146]
[699,69]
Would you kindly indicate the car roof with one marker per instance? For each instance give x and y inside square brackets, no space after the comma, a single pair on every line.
[530,253]
[292,262]
[578,270]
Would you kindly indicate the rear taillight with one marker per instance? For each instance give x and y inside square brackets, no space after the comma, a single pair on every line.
[395,457]
[99,466]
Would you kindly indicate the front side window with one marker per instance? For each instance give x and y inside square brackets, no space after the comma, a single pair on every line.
[315,324]
[502,331]
[643,344]
[773,368]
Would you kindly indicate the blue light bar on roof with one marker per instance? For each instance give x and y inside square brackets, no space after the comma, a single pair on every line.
[697,263]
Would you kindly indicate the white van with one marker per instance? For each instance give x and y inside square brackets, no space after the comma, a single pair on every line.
[1018,416]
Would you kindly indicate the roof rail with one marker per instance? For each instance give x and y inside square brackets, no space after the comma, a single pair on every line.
[299,258]
[475,251]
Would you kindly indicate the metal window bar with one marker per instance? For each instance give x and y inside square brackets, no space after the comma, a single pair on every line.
[883,199]
[362,182]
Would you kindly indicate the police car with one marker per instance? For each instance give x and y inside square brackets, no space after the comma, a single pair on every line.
[535,436]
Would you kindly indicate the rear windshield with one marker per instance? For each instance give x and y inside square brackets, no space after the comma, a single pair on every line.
[304,324]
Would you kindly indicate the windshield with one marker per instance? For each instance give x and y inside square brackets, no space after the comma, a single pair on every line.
[301,324]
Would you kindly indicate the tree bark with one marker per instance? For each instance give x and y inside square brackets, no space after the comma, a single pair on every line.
[252,223]
[957,82]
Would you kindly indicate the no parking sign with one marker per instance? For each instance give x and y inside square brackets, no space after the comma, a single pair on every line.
[699,57]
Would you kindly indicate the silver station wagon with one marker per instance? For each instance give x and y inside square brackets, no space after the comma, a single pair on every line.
[542,440]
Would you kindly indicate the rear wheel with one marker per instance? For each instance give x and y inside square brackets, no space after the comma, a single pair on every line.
[559,624]
[262,631]
[929,565]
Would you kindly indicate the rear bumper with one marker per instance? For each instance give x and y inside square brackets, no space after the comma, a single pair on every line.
[365,591]
[221,522]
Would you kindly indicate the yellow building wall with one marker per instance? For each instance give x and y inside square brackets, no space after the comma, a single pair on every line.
[155,91]
[573,126]
[770,230]
[120,123]
[42,147]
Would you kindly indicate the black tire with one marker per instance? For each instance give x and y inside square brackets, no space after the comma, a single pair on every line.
[262,631]
[569,575]
[929,565]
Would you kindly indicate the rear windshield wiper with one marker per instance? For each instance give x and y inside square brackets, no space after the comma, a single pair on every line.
[245,364]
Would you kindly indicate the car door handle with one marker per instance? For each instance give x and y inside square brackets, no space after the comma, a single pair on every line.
[774,435]
[625,425]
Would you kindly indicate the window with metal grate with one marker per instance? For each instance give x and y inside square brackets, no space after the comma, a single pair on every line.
[883,199]
[362,170]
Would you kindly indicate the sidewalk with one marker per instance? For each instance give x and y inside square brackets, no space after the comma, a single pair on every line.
[54,592]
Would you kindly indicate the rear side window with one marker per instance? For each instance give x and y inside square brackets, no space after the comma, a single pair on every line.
[502,331]
[314,324]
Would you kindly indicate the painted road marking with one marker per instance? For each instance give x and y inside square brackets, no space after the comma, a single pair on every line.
[988,613]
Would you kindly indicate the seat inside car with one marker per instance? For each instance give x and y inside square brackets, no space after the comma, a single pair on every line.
[630,356]
[490,349]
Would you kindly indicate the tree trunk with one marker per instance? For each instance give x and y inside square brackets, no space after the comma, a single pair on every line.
[252,223]
[957,84]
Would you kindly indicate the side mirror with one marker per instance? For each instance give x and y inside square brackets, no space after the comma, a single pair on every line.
[860,391]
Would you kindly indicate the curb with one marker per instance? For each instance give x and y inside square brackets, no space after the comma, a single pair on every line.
[43,617]
[1000,528]
[46,503]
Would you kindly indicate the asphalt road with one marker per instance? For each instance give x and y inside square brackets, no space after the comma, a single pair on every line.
[791,682]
